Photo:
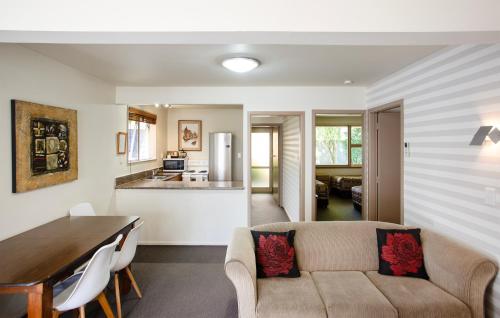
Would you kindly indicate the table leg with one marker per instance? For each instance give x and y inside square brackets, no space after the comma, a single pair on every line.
[40,301]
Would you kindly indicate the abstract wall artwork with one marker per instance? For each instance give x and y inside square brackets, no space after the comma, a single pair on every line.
[44,142]
[189,135]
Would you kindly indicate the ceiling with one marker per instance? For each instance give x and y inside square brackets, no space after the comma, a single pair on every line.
[199,65]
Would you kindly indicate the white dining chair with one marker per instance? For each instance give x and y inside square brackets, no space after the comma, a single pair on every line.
[121,260]
[81,288]
[82,209]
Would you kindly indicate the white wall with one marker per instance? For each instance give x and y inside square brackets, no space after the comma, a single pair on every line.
[213,120]
[447,97]
[257,99]
[291,167]
[184,217]
[26,75]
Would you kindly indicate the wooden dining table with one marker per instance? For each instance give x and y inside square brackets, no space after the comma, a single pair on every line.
[33,261]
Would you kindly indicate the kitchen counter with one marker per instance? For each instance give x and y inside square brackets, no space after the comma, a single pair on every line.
[181,185]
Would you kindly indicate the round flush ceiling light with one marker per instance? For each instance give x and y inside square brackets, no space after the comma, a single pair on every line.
[240,64]
[348,82]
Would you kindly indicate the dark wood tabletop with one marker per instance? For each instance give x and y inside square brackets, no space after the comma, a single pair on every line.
[46,252]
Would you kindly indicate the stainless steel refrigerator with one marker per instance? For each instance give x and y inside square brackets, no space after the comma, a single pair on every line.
[220,157]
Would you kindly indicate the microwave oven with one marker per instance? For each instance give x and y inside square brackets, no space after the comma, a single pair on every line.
[174,164]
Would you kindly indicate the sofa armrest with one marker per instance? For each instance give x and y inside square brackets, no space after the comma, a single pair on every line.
[458,270]
[241,269]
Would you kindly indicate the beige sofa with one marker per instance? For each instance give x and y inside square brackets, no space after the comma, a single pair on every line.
[338,263]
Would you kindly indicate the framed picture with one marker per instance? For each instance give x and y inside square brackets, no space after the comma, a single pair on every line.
[189,135]
[44,145]
[121,143]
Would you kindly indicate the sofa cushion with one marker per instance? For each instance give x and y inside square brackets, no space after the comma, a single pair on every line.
[275,254]
[289,297]
[415,297]
[400,253]
[351,294]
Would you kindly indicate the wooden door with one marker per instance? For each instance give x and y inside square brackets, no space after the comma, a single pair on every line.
[389,145]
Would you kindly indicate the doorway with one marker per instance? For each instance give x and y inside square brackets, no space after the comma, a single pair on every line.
[276,167]
[338,152]
[386,163]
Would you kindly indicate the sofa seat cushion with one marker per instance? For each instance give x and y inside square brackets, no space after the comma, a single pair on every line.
[351,294]
[415,297]
[289,297]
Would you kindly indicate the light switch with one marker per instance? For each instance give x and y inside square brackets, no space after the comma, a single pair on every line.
[490,196]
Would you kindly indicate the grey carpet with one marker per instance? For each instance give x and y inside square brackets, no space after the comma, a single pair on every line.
[265,210]
[176,281]
[339,209]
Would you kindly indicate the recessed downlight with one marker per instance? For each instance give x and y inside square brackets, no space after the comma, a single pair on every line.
[348,82]
[157,105]
[240,64]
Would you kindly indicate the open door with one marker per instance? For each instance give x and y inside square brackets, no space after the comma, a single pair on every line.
[389,145]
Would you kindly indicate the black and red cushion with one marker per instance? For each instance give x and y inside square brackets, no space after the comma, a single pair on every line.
[275,254]
[400,253]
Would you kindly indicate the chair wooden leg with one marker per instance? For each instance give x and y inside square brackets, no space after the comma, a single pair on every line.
[55,314]
[134,283]
[105,305]
[82,312]
[117,293]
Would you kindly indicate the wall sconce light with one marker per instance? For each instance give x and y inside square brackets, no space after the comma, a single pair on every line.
[482,133]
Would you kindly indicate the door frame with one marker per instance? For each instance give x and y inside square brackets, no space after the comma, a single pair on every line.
[269,129]
[313,153]
[372,158]
[301,115]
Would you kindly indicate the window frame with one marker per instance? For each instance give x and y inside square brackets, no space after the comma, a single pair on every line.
[349,147]
[144,117]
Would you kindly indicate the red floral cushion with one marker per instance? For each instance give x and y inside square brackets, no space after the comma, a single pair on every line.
[275,254]
[400,253]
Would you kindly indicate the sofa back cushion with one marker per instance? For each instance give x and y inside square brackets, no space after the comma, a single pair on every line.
[334,246]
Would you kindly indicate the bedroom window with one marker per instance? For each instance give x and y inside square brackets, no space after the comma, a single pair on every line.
[141,135]
[339,146]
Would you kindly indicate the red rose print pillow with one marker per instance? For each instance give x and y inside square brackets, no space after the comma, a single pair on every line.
[275,254]
[400,253]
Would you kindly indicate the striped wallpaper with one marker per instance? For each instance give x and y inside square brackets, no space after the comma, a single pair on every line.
[291,167]
[447,96]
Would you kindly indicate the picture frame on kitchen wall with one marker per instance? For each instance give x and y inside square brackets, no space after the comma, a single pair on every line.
[121,143]
[189,135]
[44,145]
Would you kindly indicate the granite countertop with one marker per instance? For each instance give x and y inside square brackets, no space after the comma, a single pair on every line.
[181,185]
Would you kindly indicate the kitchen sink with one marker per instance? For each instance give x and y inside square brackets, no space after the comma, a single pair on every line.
[156,177]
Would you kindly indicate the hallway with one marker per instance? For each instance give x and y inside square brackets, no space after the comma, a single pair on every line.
[265,210]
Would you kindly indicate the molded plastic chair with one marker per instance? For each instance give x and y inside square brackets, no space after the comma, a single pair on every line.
[90,284]
[82,209]
[121,260]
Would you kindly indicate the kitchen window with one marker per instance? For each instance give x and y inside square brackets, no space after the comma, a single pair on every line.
[339,146]
[141,135]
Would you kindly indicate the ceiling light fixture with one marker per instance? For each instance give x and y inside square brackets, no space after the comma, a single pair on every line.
[157,105]
[166,105]
[348,82]
[240,64]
